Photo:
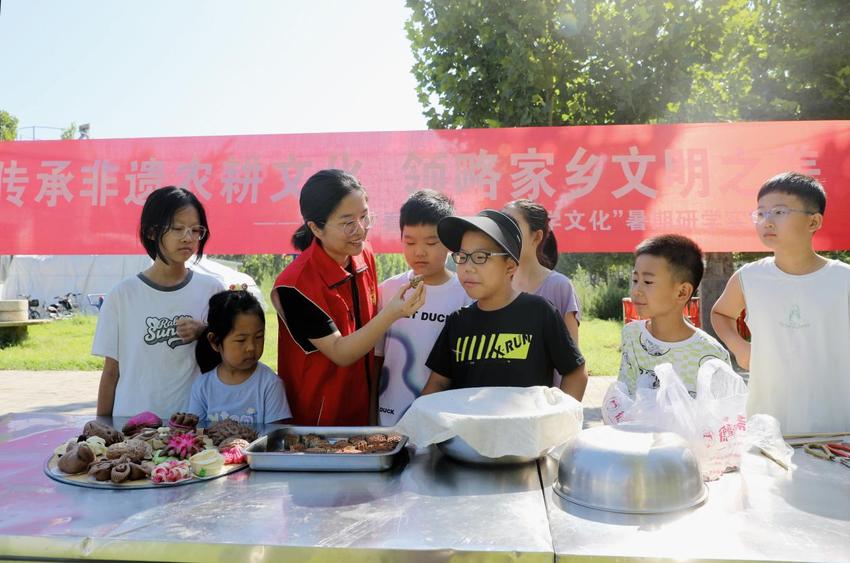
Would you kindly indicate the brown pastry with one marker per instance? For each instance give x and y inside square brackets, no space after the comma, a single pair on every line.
[136,450]
[108,433]
[234,442]
[376,438]
[290,440]
[76,459]
[101,470]
[297,447]
[183,422]
[120,472]
[224,429]
[415,281]
[311,440]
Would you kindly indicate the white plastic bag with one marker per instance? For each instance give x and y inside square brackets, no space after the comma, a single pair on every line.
[764,434]
[713,423]
[616,403]
[722,413]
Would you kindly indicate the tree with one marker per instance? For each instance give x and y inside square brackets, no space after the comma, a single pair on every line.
[502,63]
[70,132]
[8,126]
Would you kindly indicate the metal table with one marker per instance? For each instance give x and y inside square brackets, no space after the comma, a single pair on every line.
[761,512]
[427,509]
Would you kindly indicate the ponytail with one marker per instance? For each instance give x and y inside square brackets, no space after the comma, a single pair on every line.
[206,357]
[547,252]
[303,237]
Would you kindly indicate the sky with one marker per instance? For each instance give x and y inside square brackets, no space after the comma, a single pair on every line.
[155,68]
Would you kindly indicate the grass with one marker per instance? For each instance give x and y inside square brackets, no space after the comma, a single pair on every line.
[600,344]
[66,345]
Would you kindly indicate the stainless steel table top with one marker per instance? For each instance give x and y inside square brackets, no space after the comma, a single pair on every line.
[759,513]
[429,509]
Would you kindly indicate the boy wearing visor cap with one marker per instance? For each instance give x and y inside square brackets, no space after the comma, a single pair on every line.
[507,338]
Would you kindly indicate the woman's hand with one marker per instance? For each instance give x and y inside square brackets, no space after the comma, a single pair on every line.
[399,307]
[190,329]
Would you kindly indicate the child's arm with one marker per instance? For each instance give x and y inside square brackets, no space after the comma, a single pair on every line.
[436,383]
[571,321]
[724,319]
[575,382]
[106,389]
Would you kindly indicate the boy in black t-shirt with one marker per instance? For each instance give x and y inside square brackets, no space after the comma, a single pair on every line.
[506,338]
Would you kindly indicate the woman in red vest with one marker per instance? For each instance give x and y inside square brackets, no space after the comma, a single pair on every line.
[326,301]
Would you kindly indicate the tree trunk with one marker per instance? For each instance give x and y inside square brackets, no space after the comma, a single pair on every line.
[718,269]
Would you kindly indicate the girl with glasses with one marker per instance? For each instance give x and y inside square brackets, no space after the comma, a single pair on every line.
[149,322]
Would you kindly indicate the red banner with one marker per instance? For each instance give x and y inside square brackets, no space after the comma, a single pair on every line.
[606,187]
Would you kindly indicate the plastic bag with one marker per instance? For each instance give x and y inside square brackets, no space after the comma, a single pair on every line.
[721,405]
[764,434]
[616,403]
[713,423]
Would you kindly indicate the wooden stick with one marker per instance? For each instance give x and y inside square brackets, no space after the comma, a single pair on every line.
[770,457]
[815,435]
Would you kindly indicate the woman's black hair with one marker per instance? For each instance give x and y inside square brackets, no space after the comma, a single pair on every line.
[538,220]
[320,196]
[224,307]
[158,214]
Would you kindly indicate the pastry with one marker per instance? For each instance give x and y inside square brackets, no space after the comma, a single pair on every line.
[183,422]
[415,281]
[171,472]
[135,450]
[76,459]
[184,445]
[224,429]
[233,450]
[207,463]
[97,445]
[140,422]
[108,433]
[234,442]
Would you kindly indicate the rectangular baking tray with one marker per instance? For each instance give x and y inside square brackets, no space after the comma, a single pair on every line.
[265,453]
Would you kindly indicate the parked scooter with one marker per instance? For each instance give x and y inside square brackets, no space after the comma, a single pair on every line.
[65,307]
[33,305]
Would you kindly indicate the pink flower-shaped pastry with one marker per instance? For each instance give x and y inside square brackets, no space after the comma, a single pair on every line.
[184,445]
[171,472]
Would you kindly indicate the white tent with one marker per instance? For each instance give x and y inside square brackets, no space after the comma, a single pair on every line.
[46,277]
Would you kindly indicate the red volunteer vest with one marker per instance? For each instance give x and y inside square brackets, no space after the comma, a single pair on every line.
[321,393]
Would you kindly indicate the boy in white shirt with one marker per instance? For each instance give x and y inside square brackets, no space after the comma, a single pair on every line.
[402,353]
[798,312]
[668,269]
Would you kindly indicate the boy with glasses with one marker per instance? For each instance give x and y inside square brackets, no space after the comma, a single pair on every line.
[798,311]
[507,337]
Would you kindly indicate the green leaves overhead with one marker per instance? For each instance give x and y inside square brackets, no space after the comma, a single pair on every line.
[560,62]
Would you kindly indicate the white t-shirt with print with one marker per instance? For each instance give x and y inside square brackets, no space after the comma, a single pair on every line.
[800,356]
[641,352]
[260,399]
[408,342]
[137,327]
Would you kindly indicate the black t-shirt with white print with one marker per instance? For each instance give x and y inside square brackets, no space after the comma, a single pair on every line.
[516,346]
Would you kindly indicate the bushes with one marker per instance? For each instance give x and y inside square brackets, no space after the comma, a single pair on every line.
[601,296]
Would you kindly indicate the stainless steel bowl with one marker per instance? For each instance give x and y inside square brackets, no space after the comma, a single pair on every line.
[630,469]
[457,448]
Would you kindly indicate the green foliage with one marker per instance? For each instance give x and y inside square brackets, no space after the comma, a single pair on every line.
[601,296]
[389,265]
[8,126]
[503,63]
[69,133]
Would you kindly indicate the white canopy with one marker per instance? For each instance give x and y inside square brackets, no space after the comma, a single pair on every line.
[46,277]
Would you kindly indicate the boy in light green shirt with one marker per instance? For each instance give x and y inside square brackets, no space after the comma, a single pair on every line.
[668,269]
